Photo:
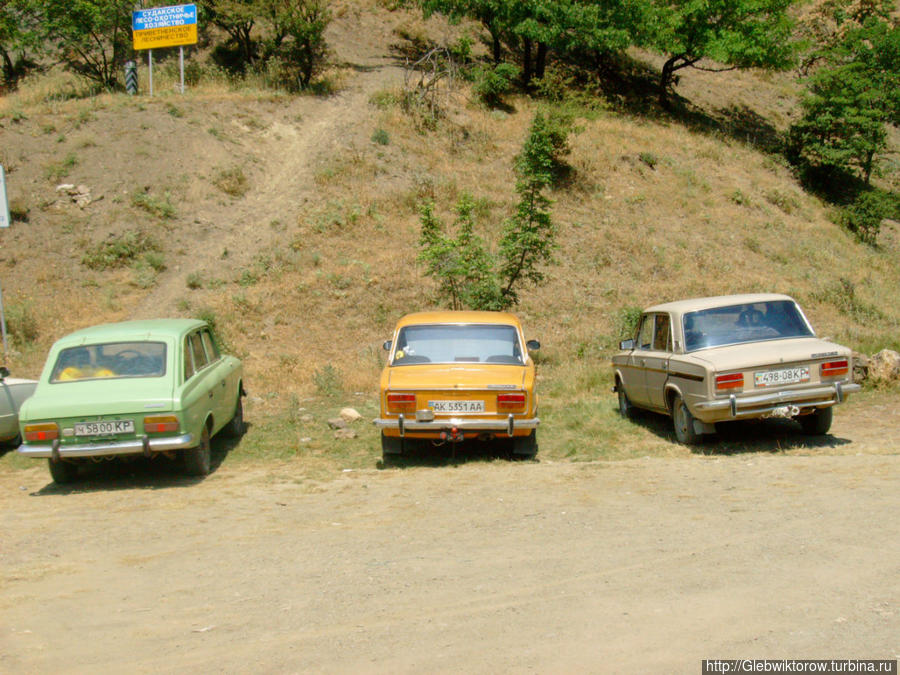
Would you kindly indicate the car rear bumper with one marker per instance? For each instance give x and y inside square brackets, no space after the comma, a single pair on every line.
[763,405]
[143,445]
[502,425]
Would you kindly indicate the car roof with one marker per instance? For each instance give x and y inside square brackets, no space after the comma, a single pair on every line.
[696,304]
[135,330]
[461,317]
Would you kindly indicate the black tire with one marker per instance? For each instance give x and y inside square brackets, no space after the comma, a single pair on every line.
[683,421]
[235,428]
[197,460]
[626,410]
[391,447]
[817,423]
[63,472]
[525,447]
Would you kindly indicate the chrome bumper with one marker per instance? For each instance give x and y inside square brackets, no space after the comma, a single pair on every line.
[505,425]
[747,406]
[140,445]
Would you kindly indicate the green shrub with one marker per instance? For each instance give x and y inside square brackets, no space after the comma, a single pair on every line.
[161,207]
[328,381]
[863,217]
[381,137]
[628,321]
[120,250]
[491,83]
[21,324]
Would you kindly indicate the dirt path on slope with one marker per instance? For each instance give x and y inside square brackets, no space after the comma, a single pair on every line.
[636,566]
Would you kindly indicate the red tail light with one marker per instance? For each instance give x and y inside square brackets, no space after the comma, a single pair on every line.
[833,368]
[401,403]
[511,402]
[731,381]
[164,424]
[41,432]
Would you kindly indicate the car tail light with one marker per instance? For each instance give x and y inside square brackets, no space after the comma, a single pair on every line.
[163,424]
[511,402]
[401,403]
[731,381]
[832,368]
[41,432]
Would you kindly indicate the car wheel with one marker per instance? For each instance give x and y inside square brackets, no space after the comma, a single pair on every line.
[817,423]
[683,421]
[391,446]
[62,471]
[525,447]
[197,460]
[625,408]
[235,427]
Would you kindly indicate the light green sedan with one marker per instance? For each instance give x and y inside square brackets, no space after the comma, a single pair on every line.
[137,387]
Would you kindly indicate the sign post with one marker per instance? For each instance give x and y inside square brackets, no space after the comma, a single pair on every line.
[173,26]
[4,203]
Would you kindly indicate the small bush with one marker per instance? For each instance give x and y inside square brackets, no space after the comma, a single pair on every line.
[328,381]
[381,137]
[863,217]
[628,320]
[120,250]
[194,281]
[491,83]
[232,181]
[649,159]
[21,324]
[161,207]
[842,295]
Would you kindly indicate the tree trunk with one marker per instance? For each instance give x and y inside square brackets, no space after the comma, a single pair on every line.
[541,62]
[527,67]
[665,81]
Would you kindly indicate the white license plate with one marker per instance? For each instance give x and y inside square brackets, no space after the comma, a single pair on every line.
[456,406]
[107,428]
[773,378]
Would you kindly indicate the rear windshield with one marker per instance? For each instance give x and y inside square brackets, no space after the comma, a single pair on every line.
[736,324]
[456,343]
[110,360]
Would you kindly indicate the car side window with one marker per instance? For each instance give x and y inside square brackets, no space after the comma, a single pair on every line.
[645,334]
[188,361]
[662,334]
[197,351]
[210,345]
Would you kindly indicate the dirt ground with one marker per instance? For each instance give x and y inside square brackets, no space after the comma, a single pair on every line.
[636,566]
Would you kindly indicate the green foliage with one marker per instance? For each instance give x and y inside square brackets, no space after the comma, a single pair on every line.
[58,170]
[628,319]
[492,82]
[863,217]
[529,236]
[381,137]
[120,250]
[842,296]
[851,98]
[91,37]
[161,207]
[462,266]
[19,39]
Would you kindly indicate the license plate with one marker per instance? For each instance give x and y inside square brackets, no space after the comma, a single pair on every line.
[107,428]
[773,378]
[457,406]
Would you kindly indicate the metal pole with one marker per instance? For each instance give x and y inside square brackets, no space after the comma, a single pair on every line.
[181,63]
[3,326]
[150,63]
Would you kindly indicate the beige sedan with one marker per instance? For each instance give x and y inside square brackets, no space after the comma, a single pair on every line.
[733,357]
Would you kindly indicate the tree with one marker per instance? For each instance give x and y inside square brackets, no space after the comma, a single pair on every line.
[852,95]
[735,33]
[461,265]
[529,236]
[18,35]
[493,15]
[92,37]
[298,36]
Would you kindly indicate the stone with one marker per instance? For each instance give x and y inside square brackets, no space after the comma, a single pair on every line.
[885,366]
[349,415]
[337,423]
[345,434]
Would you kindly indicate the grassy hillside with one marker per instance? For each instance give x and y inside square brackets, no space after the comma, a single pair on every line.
[292,223]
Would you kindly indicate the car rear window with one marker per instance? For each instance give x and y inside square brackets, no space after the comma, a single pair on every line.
[110,360]
[454,343]
[750,322]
